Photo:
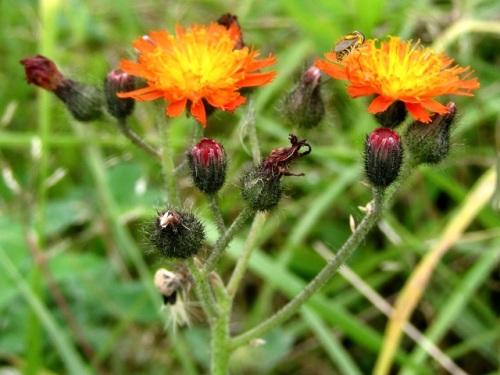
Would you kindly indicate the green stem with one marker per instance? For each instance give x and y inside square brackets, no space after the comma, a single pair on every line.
[220,329]
[137,140]
[369,221]
[248,125]
[241,265]
[213,201]
[34,335]
[205,295]
[167,163]
[224,240]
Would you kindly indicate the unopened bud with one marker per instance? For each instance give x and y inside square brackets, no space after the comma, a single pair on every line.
[43,73]
[177,234]
[207,162]
[429,143]
[261,187]
[83,101]
[392,116]
[383,157]
[304,106]
[119,81]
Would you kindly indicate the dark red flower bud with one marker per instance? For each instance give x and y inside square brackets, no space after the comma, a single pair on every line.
[429,143]
[304,106]
[177,234]
[83,101]
[43,72]
[119,81]
[383,157]
[207,162]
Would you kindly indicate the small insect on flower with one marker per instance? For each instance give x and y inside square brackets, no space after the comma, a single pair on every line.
[347,44]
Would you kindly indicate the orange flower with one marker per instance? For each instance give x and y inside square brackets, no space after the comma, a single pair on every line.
[400,71]
[196,67]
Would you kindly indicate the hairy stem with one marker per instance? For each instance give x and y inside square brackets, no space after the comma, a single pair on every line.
[137,140]
[241,265]
[167,163]
[205,295]
[220,328]
[369,221]
[213,201]
[224,240]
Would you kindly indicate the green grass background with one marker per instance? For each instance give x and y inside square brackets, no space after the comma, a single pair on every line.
[74,199]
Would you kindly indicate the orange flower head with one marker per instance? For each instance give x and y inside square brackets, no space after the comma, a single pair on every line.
[403,71]
[195,68]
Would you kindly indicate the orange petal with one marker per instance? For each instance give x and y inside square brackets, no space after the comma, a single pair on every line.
[146,93]
[256,79]
[176,108]
[198,111]
[379,104]
[418,112]
[357,91]
[333,70]
[434,106]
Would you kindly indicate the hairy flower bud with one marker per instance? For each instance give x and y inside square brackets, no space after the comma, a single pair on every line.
[207,162]
[429,143]
[83,101]
[177,234]
[383,157]
[392,116]
[303,105]
[118,81]
[261,187]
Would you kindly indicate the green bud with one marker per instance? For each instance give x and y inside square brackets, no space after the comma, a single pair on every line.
[304,106]
[119,81]
[429,143]
[261,187]
[177,234]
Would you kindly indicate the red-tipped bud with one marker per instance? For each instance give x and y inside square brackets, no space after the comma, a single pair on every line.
[43,73]
[383,157]
[83,101]
[119,81]
[207,162]
[429,143]
[304,106]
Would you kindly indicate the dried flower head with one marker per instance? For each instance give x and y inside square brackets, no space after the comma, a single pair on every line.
[261,187]
[403,71]
[280,158]
[198,68]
